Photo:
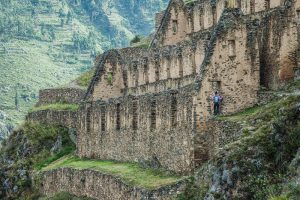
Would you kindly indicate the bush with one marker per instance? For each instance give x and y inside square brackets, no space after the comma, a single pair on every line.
[136,39]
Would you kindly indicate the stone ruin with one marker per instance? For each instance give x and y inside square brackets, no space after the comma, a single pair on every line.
[153,105]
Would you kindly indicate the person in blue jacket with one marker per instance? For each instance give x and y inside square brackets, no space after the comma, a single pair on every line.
[217,99]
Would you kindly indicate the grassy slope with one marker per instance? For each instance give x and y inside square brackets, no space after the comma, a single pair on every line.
[28,149]
[264,153]
[131,173]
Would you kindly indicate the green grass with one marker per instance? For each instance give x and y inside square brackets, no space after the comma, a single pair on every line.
[65,151]
[243,114]
[189,2]
[144,43]
[294,85]
[85,79]
[264,155]
[266,111]
[131,173]
[57,107]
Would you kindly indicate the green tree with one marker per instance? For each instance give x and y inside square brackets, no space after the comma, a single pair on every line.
[17,100]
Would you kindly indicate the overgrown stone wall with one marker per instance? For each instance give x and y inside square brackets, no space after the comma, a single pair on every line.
[60,95]
[62,118]
[153,128]
[97,185]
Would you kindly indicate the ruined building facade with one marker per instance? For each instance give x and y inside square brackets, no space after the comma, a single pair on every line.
[153,105]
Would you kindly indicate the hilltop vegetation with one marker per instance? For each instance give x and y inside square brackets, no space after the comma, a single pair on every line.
[48,43]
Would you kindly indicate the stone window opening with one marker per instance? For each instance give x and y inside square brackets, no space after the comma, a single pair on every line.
[231,48]
[156,69]
[109,77]
[193,62]
[239,4]
[201,21]
[180,67]
[103,119]
[267,4]
[173,110]
[146,70]
[214,11]
[134,115]
[216,85]
[168,63]
[136,75]
[153,115]
[118,120]
[252,6]
[175,26]
[298,13]
[88,120]
[168,71]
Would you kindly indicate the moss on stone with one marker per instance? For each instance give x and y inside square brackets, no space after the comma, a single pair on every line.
[56,107]
[131,173]
[30,148]
[264,153]
[85,79]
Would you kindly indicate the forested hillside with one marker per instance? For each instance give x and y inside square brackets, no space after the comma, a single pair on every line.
[47,43]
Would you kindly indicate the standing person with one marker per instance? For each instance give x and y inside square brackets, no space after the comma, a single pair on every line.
[216,101]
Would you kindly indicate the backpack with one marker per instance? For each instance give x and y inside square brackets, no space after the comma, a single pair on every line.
[216,99]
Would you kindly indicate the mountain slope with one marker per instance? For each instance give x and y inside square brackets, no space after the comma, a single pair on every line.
[48,43]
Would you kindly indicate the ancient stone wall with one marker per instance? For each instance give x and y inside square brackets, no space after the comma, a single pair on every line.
[62,118]
[108,80]
[212,136]
[132,128]
[140,71]
[229,56]
[230,66]
[97,185]
[158,17]
[60,95]
[184,19]
[278,44]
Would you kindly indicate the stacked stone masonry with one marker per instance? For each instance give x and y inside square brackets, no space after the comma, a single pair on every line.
[101,186]
[61,118]
[61,95]
[155,104]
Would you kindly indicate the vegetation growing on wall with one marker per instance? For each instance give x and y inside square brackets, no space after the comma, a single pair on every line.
[85,79]
[29,148]
[131,173]
[56,106]
[258,166]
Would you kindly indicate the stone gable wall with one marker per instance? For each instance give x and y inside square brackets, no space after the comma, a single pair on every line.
[97,185]
[60,95]
[62,118]
[201,15]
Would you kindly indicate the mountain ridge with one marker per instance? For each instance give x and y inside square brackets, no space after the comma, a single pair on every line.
[48,43]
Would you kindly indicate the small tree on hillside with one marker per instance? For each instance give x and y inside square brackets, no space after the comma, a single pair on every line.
[136,39]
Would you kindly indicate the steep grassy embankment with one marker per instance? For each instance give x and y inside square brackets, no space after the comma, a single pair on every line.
[264,163]
[31,147]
